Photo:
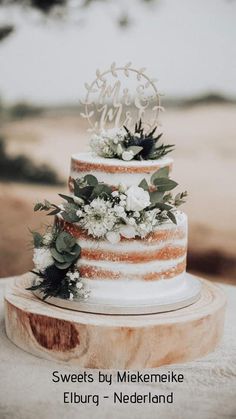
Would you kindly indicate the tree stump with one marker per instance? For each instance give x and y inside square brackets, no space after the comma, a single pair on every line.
[113,341]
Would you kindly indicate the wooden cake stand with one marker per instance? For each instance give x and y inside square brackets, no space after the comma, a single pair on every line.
[113,341]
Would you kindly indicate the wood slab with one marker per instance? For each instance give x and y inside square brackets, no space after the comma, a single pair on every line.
[113,341]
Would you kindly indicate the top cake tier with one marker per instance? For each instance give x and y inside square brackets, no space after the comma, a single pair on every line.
[115,171]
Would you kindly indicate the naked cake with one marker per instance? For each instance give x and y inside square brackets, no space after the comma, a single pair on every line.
[119,240]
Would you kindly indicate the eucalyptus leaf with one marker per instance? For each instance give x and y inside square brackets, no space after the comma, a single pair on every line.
[156,196]
[56,255]
[101,189]
[143,184]
[64,241]
[54,212]
[84,192]
[172,217]
[37,206]
[67,198]
[91,180]
[69,258]
[47,204]
[160,173]
[37,239]
[70,217]
[163,207]
[62,265]
[75,250]
[164,184]
[76,186]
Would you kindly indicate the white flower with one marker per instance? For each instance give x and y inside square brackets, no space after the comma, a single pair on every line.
[42,258]
[137,199]
[71,296]
[106,150]
[128,231]
[123,203]
[47,239]
[98,217]
[127,155]
[79,213]
[131,221]
[73,275]
[123,197]
[119,211]
[115,193]
[113,237]
[79,285]
[103,143]
[119,149]
[78,200]
[149,221]
[122,188]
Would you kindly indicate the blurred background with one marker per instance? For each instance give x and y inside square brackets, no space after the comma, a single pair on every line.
[48,49]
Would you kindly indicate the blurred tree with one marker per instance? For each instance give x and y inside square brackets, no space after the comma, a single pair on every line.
[59,8]
[5,31]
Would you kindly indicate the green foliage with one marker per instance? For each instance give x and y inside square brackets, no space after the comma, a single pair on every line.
[164,184]
[161,180]
[88,188]
[64,250]
[37,239]
[65,253]
[156,197]
[180,198]
[163,172]
[143,184]
[171,216]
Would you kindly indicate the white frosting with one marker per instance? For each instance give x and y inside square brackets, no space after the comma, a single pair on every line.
[120,292]
[127,179]
[115,178]
[130,246]
[129,269]
[89,157]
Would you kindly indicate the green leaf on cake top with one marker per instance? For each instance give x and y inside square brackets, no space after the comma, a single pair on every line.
[123,144]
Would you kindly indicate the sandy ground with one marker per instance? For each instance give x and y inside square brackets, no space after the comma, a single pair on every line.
[205,165]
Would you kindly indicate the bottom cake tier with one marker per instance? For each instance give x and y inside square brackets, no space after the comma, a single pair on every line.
[149,297]
[134,275]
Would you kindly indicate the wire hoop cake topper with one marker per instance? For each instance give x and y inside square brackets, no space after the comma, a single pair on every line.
[110,101]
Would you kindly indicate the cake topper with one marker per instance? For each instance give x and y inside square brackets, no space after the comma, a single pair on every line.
[121,96]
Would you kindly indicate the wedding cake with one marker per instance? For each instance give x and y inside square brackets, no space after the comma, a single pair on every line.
[109,288]
[119,241]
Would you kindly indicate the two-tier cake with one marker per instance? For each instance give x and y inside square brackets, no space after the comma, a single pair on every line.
[124,220]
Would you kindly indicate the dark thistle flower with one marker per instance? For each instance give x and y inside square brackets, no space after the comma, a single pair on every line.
[148,142]
[54,282]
